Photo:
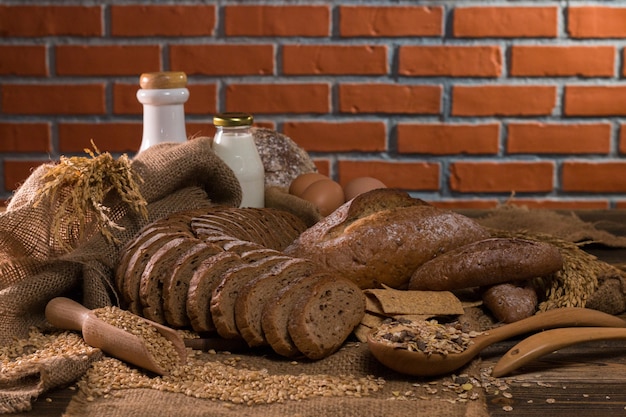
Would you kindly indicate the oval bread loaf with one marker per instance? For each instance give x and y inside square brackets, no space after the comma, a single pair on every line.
[487,262]
[381,237]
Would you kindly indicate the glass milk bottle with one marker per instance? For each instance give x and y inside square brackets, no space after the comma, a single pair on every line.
[163,96]
[234,144]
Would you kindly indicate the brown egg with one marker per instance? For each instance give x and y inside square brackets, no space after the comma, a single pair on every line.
[303,181]
[361,185]
[326,195]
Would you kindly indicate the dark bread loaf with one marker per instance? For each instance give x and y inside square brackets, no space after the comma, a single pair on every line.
[510,302]
[158,268]
[382,236]
[176,286]
[256,293]
[278,308]
[321,321]
[201,286]
[226,292]
[487,262]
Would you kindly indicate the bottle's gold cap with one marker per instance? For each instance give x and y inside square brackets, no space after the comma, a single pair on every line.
[232,119]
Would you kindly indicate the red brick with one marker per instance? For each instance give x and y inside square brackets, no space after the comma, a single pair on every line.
[338,137]
[594,100]
[596,22]
[559,138]
[395,21]
[416,176]
[620,205]
[200,129]
[260,20]
[202,99]
[501,177]
[335,59]
[16,172]
[594,177]
[390,98]
[278,98]
[452,61]
[323,166]
[107,59]
[562,61]
[108,137]
[622,139]
[25,137]
[23,60]
[47,20]
[505,22]
[561,204]
[53,99]
[162,20]
[448,139]
[460,204]
[246,59]
[503,100]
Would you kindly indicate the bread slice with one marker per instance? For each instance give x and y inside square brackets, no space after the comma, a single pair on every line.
[204,280]
[131,276]
[321,321]
[159,267]
[255,294]
[176,286]
[276,312]
[225,294]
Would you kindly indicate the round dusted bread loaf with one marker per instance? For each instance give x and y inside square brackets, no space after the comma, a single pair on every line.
[282,158]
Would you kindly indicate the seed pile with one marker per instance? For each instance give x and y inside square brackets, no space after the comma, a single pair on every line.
[40,347]
[427,336]
[224,381]
[160,348]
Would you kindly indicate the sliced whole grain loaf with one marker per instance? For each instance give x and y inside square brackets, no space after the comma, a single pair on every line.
[158,268]
[131,276]
[276,312]
[176,286]
[225,294]
[221,221]
[204,280]
[241,246]
[321,321]
[146,233]
[256,293]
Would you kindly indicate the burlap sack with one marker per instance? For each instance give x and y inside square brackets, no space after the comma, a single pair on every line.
[35,266]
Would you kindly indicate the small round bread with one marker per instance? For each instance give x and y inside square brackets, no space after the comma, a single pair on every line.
[487,262]
[282,158]
[321,320]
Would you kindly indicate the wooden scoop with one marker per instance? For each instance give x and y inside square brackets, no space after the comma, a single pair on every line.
[421,364]
[67,314]
[549,341]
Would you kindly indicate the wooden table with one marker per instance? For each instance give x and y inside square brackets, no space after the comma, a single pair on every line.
[584,380]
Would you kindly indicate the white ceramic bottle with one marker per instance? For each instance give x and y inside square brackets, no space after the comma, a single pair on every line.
[163,96]
[234,144]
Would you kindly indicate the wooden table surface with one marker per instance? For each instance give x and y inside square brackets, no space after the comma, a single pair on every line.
[585,380]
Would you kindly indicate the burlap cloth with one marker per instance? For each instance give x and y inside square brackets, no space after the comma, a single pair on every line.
[34,268]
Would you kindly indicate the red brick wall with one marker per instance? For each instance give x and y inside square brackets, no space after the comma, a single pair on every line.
[461,102]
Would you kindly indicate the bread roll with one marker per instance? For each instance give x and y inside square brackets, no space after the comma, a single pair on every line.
[487,262]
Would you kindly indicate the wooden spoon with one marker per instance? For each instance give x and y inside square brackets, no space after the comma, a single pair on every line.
[549,341]
[67,314]
[421,364]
